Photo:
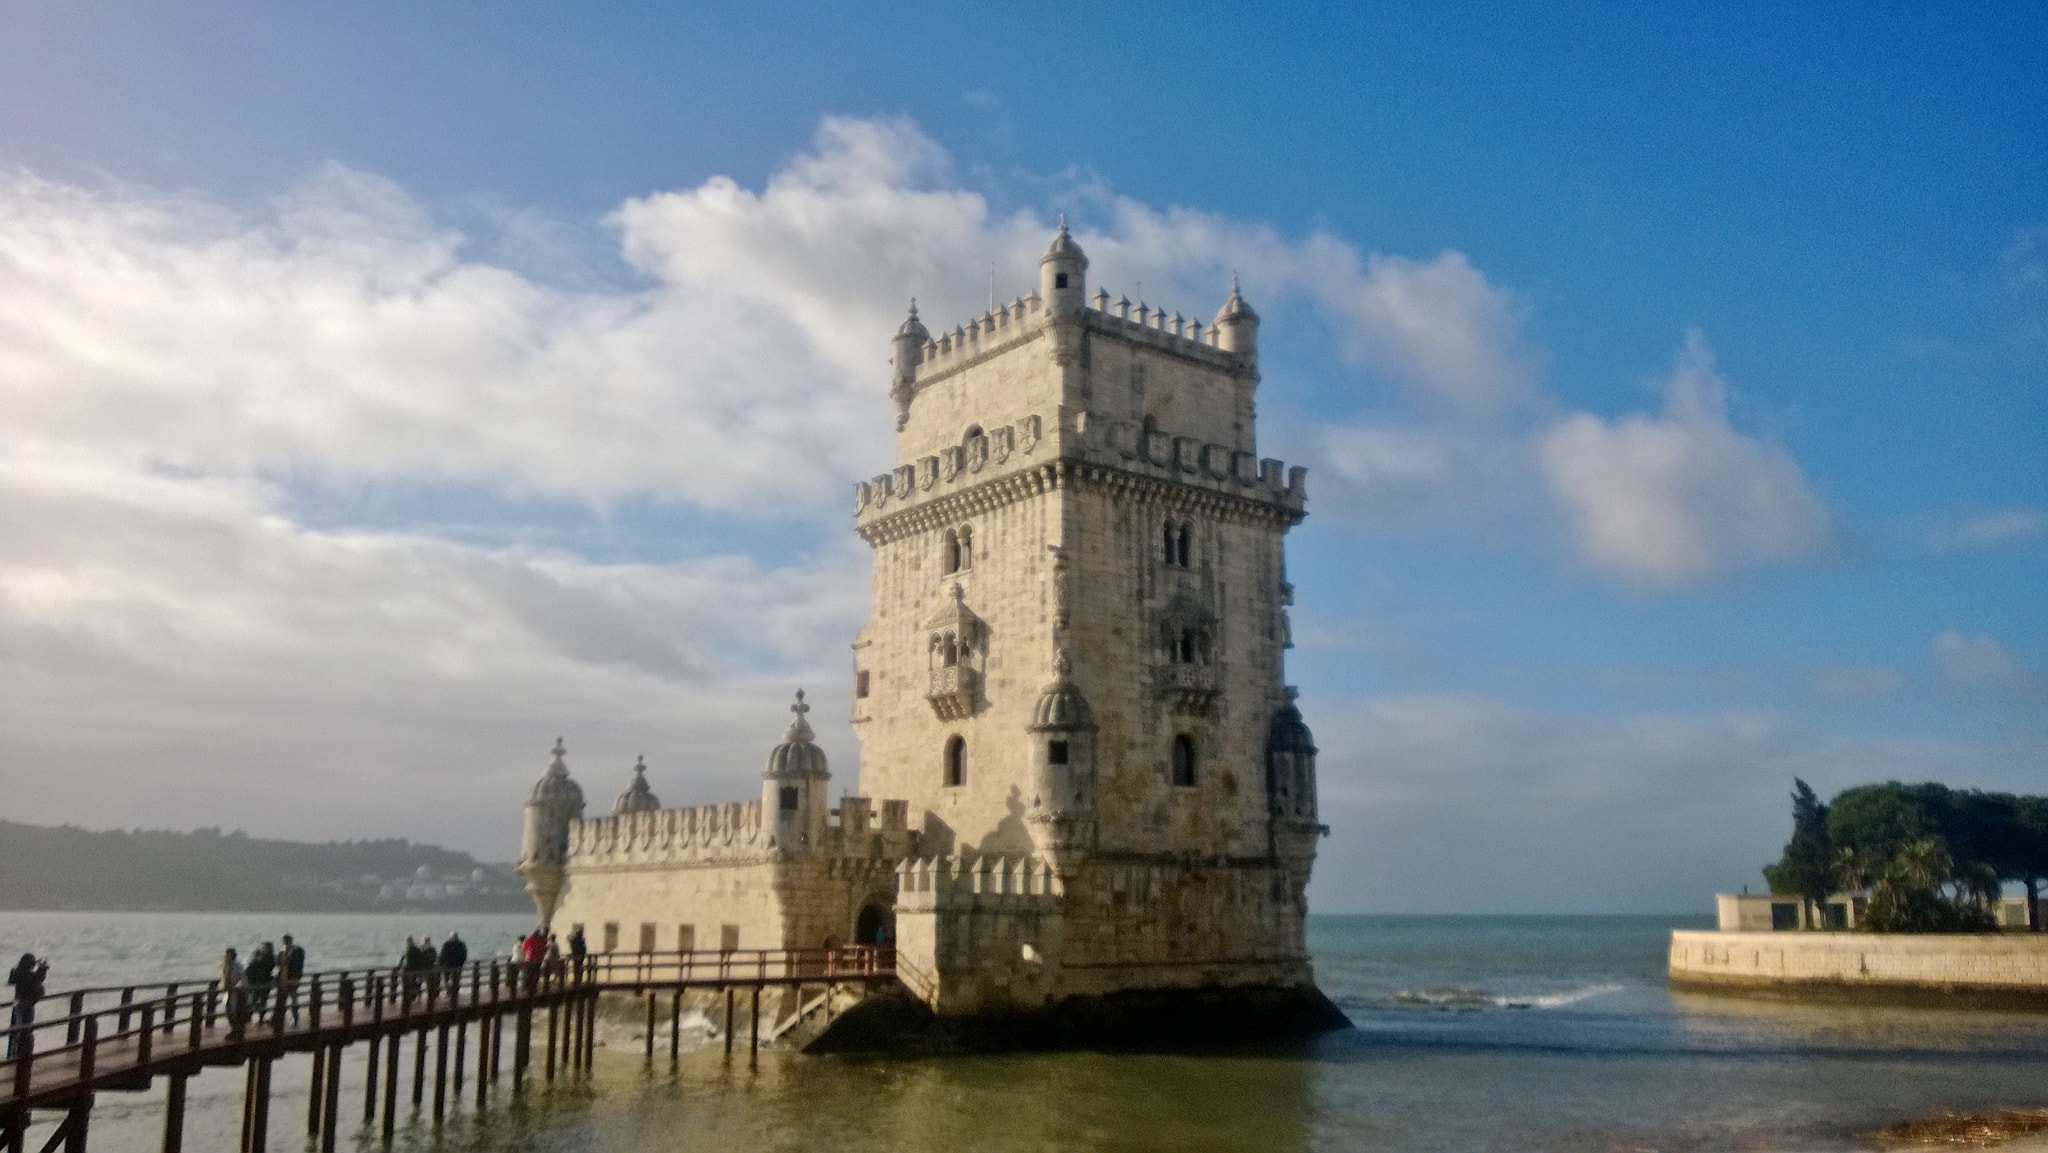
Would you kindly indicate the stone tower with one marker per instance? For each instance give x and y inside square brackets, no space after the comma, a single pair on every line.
[1074,652]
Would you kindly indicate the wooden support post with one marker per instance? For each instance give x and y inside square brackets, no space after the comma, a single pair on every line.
[728,1023]
[370,1081]
[330,1113]
[395,1042]
[174,1115]
[522,1046]
[440,1073]
[675,1026]
[579,1024]
[316,1094]
[248,1107]
[76,1120]
[256,1107]
[461,1047]
[419,1068]
[590,1035]
[554,1024]
[483,1058]
[650,1028]
[754,1038]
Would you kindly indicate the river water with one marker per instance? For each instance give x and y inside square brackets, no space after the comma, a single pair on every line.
[1520,1033]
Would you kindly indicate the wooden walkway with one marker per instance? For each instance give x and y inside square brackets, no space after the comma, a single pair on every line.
[87,1041]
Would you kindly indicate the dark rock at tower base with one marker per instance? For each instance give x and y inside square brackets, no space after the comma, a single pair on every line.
[893,1022]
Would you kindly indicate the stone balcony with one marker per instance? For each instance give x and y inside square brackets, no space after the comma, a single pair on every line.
[1188,689]
[953,692]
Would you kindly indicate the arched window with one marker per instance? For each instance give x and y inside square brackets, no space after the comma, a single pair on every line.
[949,553]
[967,438]
[956,760]
[949,652]
[1170,539]
[1184,760]
[1181,551]
[966,548]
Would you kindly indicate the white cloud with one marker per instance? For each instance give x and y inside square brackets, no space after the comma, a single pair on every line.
[1976,661]
[178,647]
[1991,529]
[1680,498]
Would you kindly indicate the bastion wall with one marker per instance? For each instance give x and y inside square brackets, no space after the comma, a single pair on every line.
[1983,963]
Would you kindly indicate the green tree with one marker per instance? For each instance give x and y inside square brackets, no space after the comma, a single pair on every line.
[1807,868]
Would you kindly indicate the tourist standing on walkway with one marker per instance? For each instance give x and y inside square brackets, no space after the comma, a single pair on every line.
[409,970]
[454,955]
[291,965]
[234,989]
[430,965]
[577,951]
[27,977]
[262,974]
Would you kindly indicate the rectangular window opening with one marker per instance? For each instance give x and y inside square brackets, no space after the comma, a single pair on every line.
[647,936]
[728,938]
[788,804]
[860,685]
[611,936]
[1056,753]
[686,938]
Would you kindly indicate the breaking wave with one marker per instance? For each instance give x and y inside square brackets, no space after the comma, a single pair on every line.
[1462,998]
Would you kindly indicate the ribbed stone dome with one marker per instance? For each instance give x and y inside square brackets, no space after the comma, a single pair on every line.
[1063,247]
[554,786]
[1288,732]
[1235,308]
[1061,705]
[798,755]
[637,798]
[914,326]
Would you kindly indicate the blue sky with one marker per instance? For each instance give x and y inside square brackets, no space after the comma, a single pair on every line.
[396,385]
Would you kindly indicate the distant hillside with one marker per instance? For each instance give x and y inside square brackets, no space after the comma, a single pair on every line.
[211,871]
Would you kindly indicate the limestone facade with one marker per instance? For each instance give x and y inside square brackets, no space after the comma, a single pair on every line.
[1070,688]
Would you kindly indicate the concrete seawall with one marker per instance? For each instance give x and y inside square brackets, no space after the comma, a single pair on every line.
[1989,967]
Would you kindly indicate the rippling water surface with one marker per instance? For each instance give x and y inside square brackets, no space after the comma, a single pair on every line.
[1525,1033]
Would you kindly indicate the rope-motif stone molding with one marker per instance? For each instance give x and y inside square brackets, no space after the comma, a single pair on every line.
[1229,508]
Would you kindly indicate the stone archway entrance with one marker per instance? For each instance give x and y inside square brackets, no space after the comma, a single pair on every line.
[876,925]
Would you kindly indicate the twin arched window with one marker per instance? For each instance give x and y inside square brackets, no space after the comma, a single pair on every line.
[1177,537]
[957,551]
[956,760]
[1187,644]
[1184,760]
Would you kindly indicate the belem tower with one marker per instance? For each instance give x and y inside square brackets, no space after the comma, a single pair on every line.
[1085,787]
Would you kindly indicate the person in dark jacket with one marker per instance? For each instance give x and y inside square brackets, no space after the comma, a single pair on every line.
[454,954]
[27,977]
[262,973]
[291,966]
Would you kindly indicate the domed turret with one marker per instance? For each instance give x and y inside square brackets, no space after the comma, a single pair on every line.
[544,846]
[637,798]
[1237,326]
[1062,813]
[793,787]
[1063,274]
[1061,707]
[1291,769]
[909,345]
